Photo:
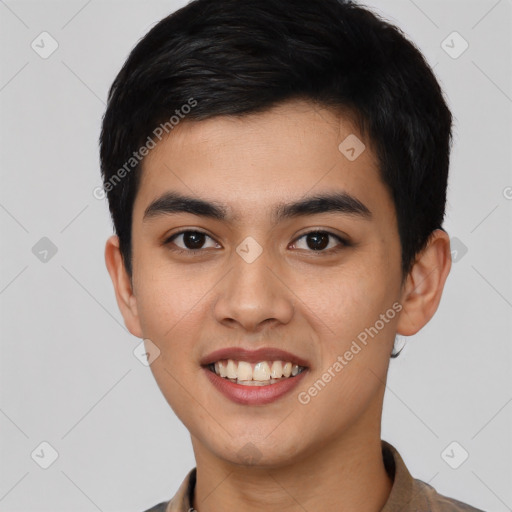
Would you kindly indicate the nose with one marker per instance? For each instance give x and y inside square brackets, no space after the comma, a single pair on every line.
[253,296]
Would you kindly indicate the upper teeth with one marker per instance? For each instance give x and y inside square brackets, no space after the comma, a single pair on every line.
[264,370]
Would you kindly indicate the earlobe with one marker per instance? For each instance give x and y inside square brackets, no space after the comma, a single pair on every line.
[425,283]
[125,297]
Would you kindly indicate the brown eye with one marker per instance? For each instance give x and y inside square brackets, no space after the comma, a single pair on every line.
[193,239]
[189,241]
[319,241]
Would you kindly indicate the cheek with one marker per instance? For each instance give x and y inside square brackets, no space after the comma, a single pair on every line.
[172,303]
[169,297]
[170,310]
[344,402]
[345,302]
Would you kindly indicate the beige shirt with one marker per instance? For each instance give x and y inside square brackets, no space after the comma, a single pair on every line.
[407,494]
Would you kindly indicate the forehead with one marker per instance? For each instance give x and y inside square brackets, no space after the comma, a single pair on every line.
[246,163]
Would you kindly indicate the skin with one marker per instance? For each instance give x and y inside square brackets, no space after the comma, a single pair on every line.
[325,455]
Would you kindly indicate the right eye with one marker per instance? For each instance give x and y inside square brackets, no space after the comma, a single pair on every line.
[192,241]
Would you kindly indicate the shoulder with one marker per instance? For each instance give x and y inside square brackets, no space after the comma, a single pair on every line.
[181,501]
[411,494]
[435,502]
[161,507]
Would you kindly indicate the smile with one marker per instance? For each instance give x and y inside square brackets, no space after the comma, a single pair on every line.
[262,373]
[254,377]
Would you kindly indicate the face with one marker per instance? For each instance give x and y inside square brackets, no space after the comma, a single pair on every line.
[264,266]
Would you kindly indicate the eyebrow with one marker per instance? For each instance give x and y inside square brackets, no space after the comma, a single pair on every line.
[335,202]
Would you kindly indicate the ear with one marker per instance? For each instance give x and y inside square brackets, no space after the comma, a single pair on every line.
[424,285]
[126,300]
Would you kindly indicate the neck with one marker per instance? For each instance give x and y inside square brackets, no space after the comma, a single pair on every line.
[344,474]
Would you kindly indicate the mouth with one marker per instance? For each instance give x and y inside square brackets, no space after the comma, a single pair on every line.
[254,377]
[262,373]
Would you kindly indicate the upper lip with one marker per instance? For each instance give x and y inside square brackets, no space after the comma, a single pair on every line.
[252,356]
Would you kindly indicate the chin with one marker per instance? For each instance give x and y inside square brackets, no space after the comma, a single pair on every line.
[257,453]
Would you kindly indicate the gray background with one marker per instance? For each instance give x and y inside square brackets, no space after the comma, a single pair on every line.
[68,373]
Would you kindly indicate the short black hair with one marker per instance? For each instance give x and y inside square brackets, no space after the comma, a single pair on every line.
[237,57]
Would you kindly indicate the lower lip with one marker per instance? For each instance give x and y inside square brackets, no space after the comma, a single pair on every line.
[253,395]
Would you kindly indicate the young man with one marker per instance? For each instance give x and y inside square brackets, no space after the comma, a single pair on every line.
[276,172]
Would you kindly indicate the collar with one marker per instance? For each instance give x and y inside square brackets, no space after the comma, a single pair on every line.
[407,493]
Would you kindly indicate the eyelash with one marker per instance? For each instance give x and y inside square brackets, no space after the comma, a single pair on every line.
[195,252]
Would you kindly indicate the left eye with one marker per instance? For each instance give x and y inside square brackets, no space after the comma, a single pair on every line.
[319,241]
